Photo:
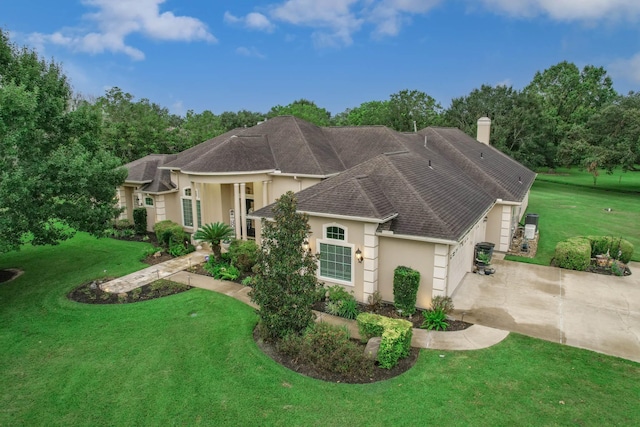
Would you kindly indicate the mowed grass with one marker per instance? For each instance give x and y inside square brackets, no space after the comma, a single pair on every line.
[619,180]
[569,207]
[189,359]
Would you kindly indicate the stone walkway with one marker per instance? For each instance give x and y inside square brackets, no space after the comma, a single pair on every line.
[473,338]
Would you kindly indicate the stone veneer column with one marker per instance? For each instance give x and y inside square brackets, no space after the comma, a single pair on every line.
[236,209]
[243,210]
[161,209]
[370,254]
[440,264]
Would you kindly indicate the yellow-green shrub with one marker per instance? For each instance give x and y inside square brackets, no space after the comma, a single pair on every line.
[396,337]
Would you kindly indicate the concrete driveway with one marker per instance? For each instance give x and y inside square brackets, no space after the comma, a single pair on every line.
[586,310]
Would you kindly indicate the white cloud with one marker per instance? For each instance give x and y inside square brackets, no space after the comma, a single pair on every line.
[569,10]
[628,69]
[251,52]
[253,21]
[333,20]
[116,19]
[390,15]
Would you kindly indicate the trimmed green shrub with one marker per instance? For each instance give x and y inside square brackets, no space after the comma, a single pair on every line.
[168,231]
[121,224]
[244,254]
[405,289]
[576,253]
[396,337]
[617,247]
[573,254]
[328,348]
[140,220]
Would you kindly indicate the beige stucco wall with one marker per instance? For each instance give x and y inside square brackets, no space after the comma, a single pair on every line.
[355,238]
[394,252]
[494,224]
[282,184]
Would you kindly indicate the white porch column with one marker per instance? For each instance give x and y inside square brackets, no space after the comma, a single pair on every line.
[265,193]
[370,254]
[194,206]
[440,261]
[236,209]
[122,202]
[243,210]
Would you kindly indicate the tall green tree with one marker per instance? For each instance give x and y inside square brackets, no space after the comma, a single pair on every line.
[133,129]
[230,120]
[514,115]
[367,113]
[303,109]
[609,139]
[568,98]
[55,176]
[409,106]
[285,285]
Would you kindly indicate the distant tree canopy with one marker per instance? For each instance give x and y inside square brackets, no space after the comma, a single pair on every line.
[55,175]
[303,109]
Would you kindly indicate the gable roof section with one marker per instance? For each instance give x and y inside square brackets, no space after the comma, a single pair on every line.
[147,171]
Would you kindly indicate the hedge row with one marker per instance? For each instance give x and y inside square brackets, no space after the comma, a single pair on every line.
[576,253]
[396,336]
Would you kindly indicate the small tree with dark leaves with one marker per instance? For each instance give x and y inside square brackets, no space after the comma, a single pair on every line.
[285,285]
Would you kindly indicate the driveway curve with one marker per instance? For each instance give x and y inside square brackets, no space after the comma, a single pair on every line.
[586,310]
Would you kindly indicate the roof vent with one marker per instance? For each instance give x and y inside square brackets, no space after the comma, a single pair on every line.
[430,165]
[481,155]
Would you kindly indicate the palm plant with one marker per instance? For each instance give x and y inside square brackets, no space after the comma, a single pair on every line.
[213,234]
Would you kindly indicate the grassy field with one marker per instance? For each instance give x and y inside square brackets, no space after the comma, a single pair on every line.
[189,359]
[617,181]
[569,205]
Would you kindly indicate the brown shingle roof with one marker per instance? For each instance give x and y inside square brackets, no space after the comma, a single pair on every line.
[147,171]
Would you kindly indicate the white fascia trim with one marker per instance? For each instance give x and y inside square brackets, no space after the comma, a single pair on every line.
[351,218]
[175,190]
[416,238]
[267,171]
[506,202]
[137,182]
[302,175]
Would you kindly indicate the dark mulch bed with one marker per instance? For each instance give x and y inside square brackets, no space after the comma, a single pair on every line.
[379,374]
[9,274]
[388,310]
[90,292]
[156,258]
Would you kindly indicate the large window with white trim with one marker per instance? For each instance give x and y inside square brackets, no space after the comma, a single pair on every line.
[336,259]
[187,209]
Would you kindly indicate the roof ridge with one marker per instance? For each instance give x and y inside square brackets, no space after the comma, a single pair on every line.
[331,139]
[364,192]
[306,143]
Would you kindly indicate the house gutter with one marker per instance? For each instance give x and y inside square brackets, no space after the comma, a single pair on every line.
[416,238]
[508,203]
[302,175]
[266,171]
[344,217]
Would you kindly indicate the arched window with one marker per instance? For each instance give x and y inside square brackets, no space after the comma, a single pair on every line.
[336,256]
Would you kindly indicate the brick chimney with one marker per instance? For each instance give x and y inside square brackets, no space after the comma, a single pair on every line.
[484,130]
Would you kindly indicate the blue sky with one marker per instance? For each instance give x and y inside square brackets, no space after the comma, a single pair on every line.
[227,56]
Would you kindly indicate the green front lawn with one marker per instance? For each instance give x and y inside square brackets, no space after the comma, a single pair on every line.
[567,208]
[189,359]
